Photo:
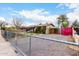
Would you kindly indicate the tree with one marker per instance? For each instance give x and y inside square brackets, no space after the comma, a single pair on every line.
[62,19]
[17,22]
[75,23]
[65,23]
[2,24]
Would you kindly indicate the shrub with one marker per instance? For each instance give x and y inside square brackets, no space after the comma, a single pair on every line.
[40,30]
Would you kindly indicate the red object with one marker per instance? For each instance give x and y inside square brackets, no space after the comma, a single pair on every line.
[66,31]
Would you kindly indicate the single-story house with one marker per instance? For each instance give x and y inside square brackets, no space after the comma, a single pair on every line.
[49,28]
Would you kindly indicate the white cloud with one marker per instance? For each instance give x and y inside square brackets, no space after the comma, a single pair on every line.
[43,16]
[72,17]
[69,5]
[2,19]
[61,5]
[72,5]
[28,24]
[39,16]
[74,14]
[6,8]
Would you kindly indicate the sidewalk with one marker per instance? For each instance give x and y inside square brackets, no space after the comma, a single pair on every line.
[5,48]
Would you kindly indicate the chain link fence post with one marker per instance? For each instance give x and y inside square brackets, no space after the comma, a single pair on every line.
[30,46]
[16,39]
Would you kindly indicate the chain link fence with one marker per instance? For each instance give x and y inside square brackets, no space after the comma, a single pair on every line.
[36,45]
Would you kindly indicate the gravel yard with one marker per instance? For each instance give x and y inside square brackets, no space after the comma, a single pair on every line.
[44,47]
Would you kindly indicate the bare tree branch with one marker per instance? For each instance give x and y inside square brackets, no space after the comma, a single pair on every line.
[17,22]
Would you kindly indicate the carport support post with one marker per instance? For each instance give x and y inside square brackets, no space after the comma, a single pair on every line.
[30,46]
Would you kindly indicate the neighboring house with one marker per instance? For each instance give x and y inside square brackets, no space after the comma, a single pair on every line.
[27,29]
[49,28]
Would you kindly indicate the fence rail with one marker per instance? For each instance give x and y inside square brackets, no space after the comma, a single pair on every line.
[56,40]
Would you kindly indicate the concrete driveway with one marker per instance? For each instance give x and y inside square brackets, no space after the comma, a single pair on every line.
[45,48]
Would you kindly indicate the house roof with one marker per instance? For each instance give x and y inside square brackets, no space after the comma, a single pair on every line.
[31,26]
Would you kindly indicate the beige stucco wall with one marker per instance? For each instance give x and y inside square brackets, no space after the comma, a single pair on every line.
[47,28]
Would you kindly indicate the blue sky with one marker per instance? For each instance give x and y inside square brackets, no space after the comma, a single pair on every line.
[51,7]
[34,13]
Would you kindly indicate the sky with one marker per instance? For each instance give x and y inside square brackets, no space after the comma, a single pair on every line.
[36,13]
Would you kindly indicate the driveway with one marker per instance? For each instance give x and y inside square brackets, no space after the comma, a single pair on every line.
[45,48]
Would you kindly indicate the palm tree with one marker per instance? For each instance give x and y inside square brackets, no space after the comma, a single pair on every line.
[62,19]
[65,23]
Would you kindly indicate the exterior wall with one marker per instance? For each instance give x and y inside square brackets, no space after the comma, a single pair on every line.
[53,31]
[50,30]
[47,29]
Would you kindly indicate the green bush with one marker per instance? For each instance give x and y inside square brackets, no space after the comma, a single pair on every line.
[10,28]
[40,30]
